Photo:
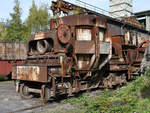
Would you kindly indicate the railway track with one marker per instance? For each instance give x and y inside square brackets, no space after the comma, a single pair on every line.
[51,103]
[47,105]
[30,108]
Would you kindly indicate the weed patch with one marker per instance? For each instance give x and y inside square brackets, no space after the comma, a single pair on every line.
[134,97]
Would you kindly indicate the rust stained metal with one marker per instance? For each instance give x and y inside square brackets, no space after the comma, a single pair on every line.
[132,20]
[13,51]
[113,80]
[77,20]
[84,47]
[65,7]
[83,51]
[64,34]
[30,73]
[39,36]
[132,56]
[116,43]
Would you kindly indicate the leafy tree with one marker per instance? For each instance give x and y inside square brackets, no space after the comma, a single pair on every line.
[3,30]
[15,25]
[33,16]
[38,18]
[43,17]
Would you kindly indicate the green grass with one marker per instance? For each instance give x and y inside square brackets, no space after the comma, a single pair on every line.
[2,77]
[132,98]
[8,81]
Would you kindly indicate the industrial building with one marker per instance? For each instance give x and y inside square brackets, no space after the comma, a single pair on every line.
[144,18]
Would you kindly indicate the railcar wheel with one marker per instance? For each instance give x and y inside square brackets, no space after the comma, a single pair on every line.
[24,92]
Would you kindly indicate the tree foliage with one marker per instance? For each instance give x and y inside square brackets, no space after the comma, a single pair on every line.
[38,18]
[16,30]
[3,30]
[14,24]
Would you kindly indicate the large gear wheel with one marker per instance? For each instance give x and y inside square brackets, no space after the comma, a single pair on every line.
[64,33]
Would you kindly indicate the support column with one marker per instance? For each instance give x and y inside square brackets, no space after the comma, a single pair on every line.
[148,23]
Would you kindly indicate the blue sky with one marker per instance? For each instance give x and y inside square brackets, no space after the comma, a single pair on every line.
[6,6]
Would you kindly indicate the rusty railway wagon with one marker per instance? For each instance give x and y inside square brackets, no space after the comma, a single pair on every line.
[80,52]
[11,53]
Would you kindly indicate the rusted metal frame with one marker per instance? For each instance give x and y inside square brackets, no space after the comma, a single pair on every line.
[19,50]
[64,67]
[42,92]
[136,38]
[118,68]
[2,54]
[107,59]
[96,56]
[116,43]
[93,70]
[129,72]
[70,90]
[125,55]
[87,75]
[108,18]
[64,6]
[13,51]
[118,49]
[70,65]
[132,56]
[77,85]
[80,21]
[62,84]
[86,27]
[53,76]
[129,67]
[42,56]
[85,70]
[57,47]
[34,71]
[54,86]
[34,90]
[78,82]
[48,60]
[84,47]
[92,60]
[96,40]
[5,50]
[130,37]
[131,20]
[63,72]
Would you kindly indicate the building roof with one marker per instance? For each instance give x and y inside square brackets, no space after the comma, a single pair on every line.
[142,13]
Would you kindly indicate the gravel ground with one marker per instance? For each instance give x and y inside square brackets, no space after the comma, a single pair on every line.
[11,101]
